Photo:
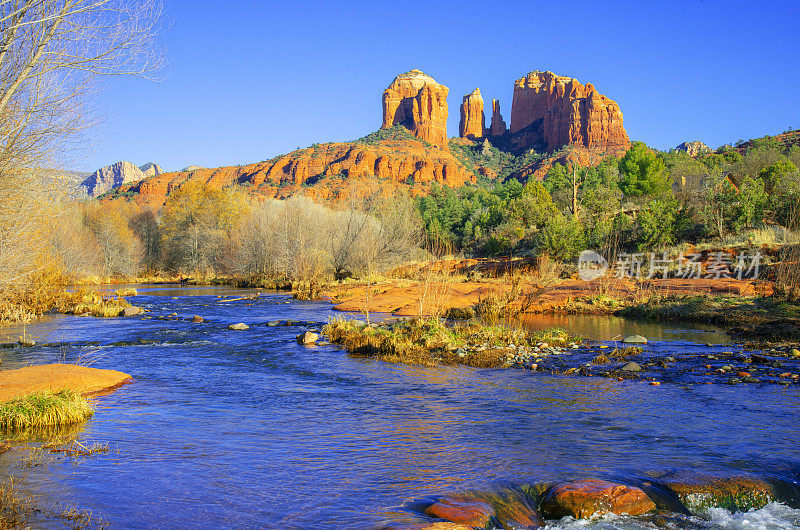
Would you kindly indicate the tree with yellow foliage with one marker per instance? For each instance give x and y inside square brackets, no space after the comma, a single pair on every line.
[197,224]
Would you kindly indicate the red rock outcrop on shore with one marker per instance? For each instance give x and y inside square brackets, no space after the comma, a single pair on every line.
[473,122]
[552,111]
[418,103]
[54,377]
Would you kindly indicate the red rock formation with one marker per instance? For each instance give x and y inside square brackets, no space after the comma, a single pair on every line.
[586,498]
[418,103]
[498,127]
[328,172]
[473,121]
[552,111]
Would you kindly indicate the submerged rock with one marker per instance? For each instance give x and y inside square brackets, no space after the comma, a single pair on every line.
[635,339]
[470,513]
[586,498]
[239,327]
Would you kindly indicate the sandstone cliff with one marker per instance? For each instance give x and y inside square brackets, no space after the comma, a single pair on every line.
[550,111]
[473,122]
[109,177]
[331,172]
[418,103]
[498,126]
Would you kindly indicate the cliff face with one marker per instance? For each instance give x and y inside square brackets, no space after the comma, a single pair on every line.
[418,103]
[550,111]
[473,122]
[327,172]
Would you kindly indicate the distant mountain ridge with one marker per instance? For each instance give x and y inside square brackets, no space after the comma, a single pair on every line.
[109,177]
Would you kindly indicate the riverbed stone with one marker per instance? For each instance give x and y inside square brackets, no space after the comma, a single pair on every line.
[794,352]
[635,339]
[699,492]
[239,327]
[28,342]
[197,319]
[631,367]
[472,513]
[307,337]
[131,311]
[584,499]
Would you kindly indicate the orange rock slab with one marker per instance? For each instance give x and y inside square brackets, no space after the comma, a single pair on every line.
[54,377]
[469,513]
[586,498]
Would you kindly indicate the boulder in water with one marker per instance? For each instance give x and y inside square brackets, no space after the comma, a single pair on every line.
[631,367]
[239,327]
[584,499]
[197,319]
[131,311]
[463,512]
[307,337]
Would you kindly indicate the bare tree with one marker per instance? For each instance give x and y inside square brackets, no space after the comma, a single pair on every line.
[51,54]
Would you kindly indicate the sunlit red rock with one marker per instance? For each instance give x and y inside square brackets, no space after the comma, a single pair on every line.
[585,498]
[550,111]
[418,103]
[498,126]
[471,513]
[473,122]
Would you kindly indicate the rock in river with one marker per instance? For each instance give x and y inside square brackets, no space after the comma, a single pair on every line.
[307,337]
[634,339]
[586,498]
[470,513]
[131,311]
[239,327]
[631,367]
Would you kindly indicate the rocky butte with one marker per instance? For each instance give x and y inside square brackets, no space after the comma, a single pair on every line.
[498,126]
[473,123]
[418,103]
[550,111]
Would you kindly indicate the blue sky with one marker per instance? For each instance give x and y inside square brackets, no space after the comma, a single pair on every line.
[258,78]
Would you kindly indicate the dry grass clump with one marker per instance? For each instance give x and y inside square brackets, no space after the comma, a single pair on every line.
[428,342]
[44,409]
[623,354]
[80,302]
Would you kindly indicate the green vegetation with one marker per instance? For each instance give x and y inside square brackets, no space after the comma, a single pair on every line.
[427,342]
[645,201]
[396,133]
[44,409]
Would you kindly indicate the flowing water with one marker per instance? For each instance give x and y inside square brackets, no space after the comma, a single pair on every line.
[249,429]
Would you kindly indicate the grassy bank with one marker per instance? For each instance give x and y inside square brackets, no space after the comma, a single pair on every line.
[44,409]
[24,306]
[427,342]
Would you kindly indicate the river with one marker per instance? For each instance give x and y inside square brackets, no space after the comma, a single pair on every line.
[230,428]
